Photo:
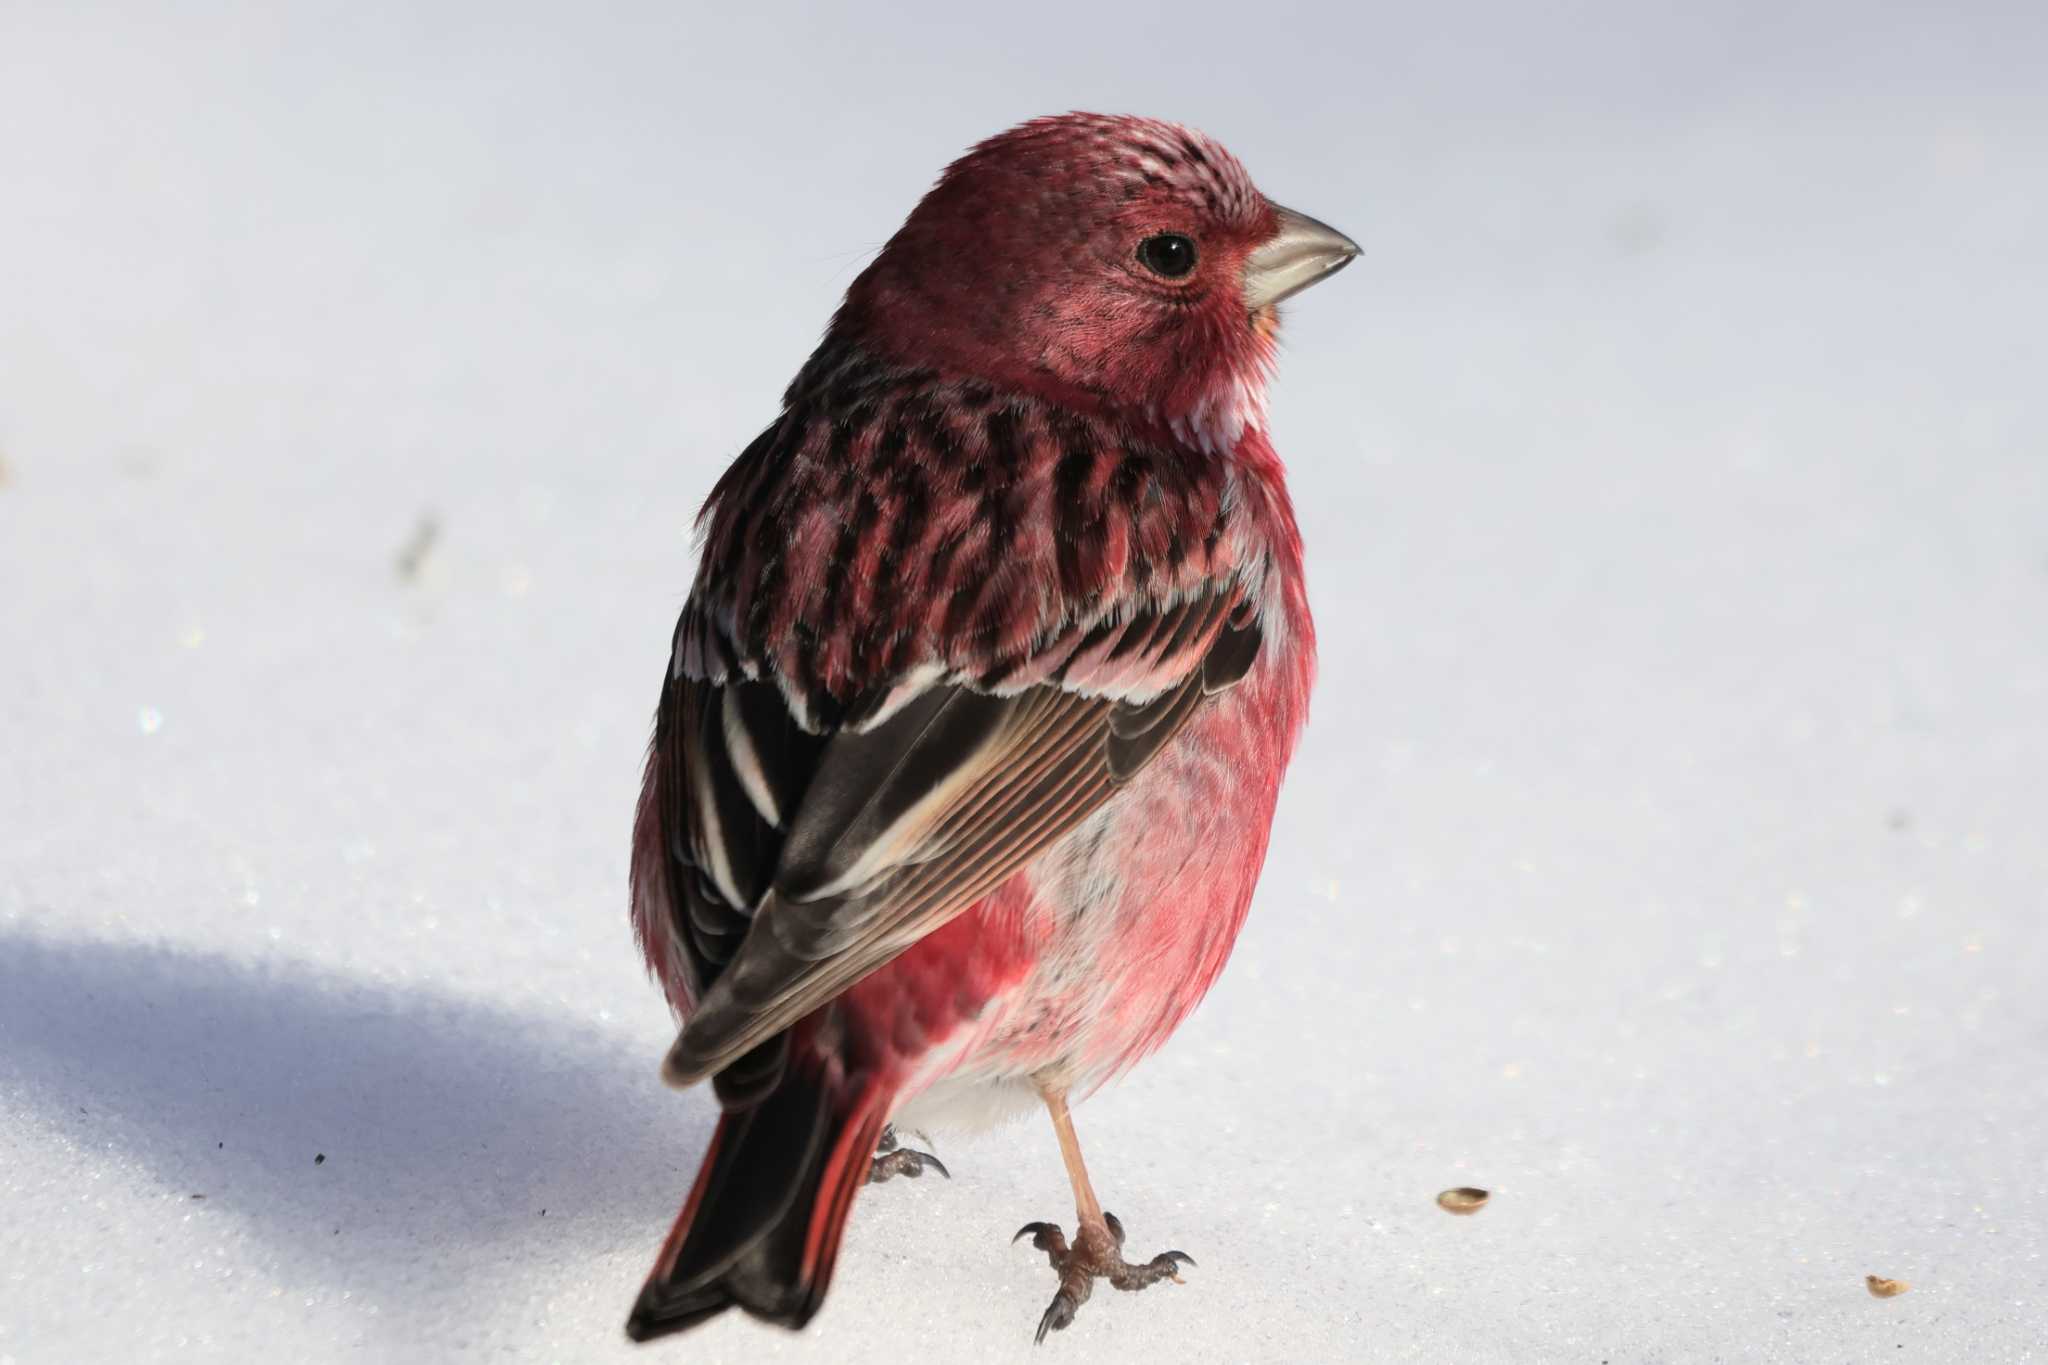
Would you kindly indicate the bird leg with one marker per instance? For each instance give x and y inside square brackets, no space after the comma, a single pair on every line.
[893,1159]
[1097,1249]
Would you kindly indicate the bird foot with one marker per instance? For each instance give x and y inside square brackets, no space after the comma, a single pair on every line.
[1096,1254]
[893,1159]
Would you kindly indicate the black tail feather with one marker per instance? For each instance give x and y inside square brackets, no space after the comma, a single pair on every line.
[761,1228]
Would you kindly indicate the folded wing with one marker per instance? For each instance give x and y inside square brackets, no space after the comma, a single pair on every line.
[798,862]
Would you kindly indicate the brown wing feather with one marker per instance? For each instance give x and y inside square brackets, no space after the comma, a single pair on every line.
[903,825]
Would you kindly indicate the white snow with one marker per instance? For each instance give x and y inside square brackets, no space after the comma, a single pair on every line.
[1668,855]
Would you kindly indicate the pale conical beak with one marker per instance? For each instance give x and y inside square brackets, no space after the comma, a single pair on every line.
[1303,252]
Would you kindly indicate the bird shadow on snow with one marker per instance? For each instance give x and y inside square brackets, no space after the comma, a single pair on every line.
[446,1125]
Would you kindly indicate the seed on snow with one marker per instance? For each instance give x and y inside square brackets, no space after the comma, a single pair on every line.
[1463,1201]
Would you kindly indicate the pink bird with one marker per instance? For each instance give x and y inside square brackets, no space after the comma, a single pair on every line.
[974,721]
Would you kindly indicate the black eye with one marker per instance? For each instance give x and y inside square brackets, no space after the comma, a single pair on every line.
[1168,254]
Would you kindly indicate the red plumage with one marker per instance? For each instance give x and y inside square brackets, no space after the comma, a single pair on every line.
[977,713]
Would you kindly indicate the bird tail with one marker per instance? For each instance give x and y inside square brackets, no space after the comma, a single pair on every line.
[762,1224]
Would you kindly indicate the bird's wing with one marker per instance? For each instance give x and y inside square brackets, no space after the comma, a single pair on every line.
[802,861]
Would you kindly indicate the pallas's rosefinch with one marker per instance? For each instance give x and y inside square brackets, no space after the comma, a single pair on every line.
[975,718]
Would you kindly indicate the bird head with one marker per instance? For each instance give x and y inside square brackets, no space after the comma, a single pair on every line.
[1120,264]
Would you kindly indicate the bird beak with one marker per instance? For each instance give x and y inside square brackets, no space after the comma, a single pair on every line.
[1300,254]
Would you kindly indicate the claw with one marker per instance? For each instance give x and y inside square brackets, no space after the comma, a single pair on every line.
[1116,1227]
[892,1160]
[1059,1315]
[1047,1237]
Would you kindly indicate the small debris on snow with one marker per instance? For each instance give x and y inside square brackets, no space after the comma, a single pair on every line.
[412,556]
[1463,1201]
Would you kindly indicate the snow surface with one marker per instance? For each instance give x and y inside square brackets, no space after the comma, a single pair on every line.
[1667,854]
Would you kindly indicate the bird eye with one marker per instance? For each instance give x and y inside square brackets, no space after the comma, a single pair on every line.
[1168,254]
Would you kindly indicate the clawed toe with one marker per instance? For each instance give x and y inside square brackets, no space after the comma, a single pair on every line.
[1165,1266]
[892,1159]
[904,1162]
[1058,1316]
